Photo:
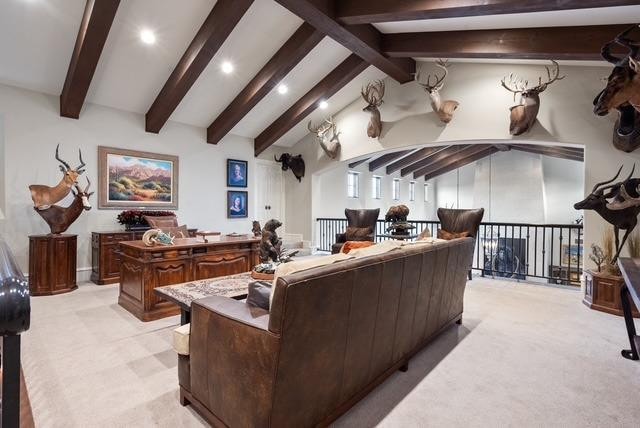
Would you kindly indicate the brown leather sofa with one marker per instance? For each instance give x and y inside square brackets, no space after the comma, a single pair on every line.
[357,218]
[333,334]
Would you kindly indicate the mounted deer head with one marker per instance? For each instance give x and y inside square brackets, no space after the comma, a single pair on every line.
[330,143]
[523,115]
[621,213]
[622,92]
[60,218]
[444,109]
[373,94]
[45,196]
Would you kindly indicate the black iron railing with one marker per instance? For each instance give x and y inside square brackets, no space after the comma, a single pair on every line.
[519,251]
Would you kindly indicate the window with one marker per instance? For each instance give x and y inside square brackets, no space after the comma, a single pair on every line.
[376,187]
[412,190]
[396,189]
[353,184]
[426,192]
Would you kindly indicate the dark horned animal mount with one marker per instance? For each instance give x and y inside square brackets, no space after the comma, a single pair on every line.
[60,218]
[618,203]
[293,163]
[622,92]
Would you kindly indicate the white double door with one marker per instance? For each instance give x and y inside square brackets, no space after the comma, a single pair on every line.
[269,195]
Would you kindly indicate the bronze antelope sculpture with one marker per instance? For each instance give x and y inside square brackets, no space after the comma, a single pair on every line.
[330,143]
[622,92]
[444,109]
[45,196]
[373,94]
[622,212]
[523,114]
[60,218]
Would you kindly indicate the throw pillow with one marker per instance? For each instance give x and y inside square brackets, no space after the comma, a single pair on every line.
[443,234]
[352,245]
[425,234]
[358,233]
[176,232]
[160,222]
[259,294]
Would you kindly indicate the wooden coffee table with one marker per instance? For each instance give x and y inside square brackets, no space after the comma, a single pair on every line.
[233,286]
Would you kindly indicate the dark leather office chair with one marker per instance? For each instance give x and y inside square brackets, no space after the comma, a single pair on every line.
[457,221]
[359,219]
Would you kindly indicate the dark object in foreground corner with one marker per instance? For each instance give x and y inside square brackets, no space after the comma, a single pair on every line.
[630,291]
[15,316]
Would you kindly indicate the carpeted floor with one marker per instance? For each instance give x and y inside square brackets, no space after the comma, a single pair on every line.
[525,355]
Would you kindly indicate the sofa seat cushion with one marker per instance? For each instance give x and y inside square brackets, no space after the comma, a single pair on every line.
[352,245]
[181,339]
[446,235]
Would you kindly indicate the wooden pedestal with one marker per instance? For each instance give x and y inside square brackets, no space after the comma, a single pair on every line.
[602,293]
[52,264]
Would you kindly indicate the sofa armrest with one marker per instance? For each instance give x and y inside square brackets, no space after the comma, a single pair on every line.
[233,359]
[341,238]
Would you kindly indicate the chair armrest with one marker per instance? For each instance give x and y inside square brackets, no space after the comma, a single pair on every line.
[233,359]
[341,238]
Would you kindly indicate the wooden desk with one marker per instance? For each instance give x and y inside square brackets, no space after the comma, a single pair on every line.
[630,269]
[145,268]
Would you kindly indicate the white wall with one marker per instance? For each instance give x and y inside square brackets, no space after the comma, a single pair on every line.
[565,116]
[33,127]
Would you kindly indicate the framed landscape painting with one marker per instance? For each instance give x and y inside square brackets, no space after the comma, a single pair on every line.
[134,179]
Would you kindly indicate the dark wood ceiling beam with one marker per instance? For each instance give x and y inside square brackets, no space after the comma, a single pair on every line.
[358,162]
[362,40]
[459,163]
[561,149]
[223,18]
[560,43]
[92,35]
[548,151]
[288,56]
[468,151]
[386,159]
[370,11]
[417,156]
[442,154]
[327,87]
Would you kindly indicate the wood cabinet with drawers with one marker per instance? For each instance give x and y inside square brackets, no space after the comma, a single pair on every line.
[602,293]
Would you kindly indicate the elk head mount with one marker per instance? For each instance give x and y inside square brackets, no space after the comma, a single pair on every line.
[618,203]
[622,92]
[294,163]
[60,218]
[523,114]
[45,196]
[373,94]
[444,109]
[329,142]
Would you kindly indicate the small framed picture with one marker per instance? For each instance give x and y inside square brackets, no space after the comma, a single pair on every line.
[237,204]
[236,173]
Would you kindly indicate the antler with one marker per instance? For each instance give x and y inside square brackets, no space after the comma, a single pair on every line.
[623,40]
[556,76]
[320,129]
[66,165]
[627,200]
[86,189]
[520,85]
[82,164]
[439,83]
[373,93]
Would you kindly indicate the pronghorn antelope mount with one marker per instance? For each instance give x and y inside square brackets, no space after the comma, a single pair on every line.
[328,136]
[373,94]
[523,114]
[617,202]
[622,92]
[444,109]
[60,218]
[45,196]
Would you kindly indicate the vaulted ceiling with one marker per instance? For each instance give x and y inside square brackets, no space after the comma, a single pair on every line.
[90,51]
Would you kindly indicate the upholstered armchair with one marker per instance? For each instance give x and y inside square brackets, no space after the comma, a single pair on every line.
[358,221]
[457,221]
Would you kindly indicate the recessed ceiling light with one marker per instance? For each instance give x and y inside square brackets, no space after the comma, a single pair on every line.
[227,67]
[324,105]
[147,37]
[282,89]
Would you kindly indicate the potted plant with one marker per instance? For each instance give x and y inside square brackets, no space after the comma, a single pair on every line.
[134,219]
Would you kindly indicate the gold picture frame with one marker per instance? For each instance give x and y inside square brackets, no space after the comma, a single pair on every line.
[136,179]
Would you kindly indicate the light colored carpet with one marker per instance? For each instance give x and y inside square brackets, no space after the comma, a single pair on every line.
[526,355]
